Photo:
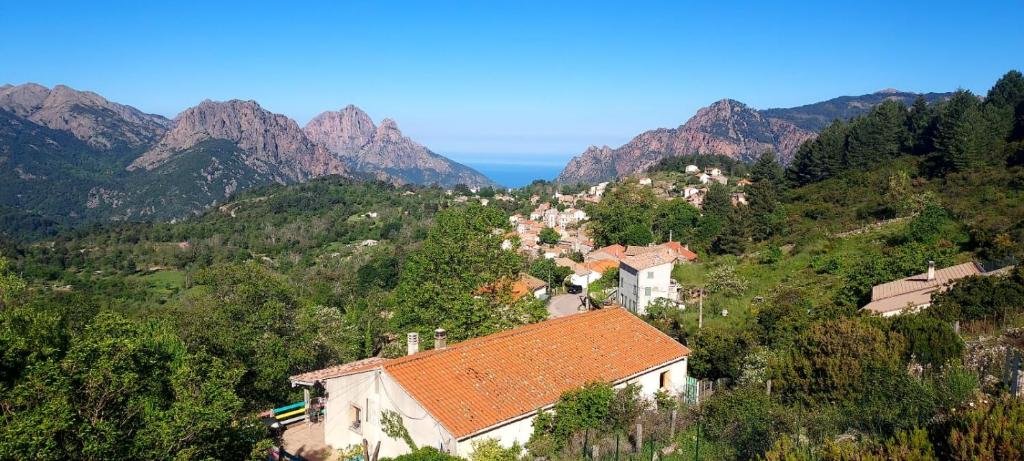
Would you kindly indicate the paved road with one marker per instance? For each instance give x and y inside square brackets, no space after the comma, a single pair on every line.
[563,305]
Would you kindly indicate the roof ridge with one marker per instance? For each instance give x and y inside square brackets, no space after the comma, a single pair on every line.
[544,324]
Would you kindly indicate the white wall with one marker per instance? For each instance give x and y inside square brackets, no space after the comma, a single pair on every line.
[374,391]
[633,286]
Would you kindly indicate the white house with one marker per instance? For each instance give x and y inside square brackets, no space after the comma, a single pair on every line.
[692,169]
[646,277]
[492,387]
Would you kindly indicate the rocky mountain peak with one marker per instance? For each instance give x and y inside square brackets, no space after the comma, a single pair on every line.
[388,132]
[271,144]
[86,115]
[343,132]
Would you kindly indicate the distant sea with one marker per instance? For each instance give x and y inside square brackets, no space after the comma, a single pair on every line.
[513,170]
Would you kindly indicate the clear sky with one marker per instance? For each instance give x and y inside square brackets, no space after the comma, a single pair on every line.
[545,78]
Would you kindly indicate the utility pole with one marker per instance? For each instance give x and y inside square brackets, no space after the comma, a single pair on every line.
[700,310]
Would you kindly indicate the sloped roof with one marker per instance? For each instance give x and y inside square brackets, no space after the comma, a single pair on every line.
[650,259]
[916,290]
[476,384]
[681,250]
[617,251]
[337,371]
[480,383]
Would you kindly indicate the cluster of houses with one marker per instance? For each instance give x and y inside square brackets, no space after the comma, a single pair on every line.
[567,222]
[695,189]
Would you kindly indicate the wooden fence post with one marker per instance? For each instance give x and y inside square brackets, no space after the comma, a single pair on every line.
[639,437]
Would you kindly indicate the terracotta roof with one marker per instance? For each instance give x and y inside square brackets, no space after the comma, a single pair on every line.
[650,259]
[916,290]
[476,384]
[617,251]
[601,265]
[681,250]
[350,368]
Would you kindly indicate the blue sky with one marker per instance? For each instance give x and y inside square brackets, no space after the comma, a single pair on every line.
[526,80]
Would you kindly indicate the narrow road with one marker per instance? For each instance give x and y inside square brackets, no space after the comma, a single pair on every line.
[563,305]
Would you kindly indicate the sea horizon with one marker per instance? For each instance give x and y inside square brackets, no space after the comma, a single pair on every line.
[513,170]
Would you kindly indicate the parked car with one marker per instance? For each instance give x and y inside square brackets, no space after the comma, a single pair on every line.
[574,289]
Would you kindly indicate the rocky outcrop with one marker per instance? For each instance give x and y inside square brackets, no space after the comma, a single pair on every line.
[271,144]
[730,128]
[88,116]
[726,127]
[382,151]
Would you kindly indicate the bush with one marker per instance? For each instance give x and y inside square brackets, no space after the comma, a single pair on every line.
[491,450]
[427,454]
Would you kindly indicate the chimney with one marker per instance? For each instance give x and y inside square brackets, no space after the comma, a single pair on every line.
[440,338]
[931,270]
[413,340]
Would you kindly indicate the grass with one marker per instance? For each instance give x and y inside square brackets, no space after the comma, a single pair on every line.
[795,269]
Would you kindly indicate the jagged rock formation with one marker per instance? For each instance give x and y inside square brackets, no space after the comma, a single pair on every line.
[726,127]
[69,155]
[384,151]
[269,143]
[88,116]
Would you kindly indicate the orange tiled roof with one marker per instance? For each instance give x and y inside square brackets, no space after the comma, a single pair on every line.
[601,265]
[650,259]
[683,252]
[476,384]
[615,250]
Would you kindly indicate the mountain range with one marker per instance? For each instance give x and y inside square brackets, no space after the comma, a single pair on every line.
[69,154]
[730,128]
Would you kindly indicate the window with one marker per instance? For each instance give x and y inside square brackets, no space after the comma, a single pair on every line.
[355,415]
[647,291]
[650,274]
[665,380]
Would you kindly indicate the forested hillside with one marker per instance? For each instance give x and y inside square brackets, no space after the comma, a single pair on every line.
[165,340]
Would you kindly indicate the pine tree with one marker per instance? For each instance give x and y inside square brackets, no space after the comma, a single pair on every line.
[920,127]
[767,168]
[961,135]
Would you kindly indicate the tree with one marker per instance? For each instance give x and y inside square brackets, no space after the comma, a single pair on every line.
[767,168]
[766,215]
[920,127]
[718,352]
[546,270]
[676,219]
[124,390]
[461,255]
[747,418]
[10,284]
[549,236]
[876,137]
[623,216]
[961,138]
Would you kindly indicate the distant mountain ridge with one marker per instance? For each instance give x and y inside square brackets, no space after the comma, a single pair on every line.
[726,127]
[69,154]
[383,151]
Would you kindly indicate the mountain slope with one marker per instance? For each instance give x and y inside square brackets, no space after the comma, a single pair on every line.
[729,128]
[816,116]
[88,116]
[383,151]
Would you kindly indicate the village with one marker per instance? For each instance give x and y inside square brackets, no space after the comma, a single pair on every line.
[440,395]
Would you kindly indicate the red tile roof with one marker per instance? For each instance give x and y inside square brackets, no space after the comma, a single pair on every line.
[683,252]
[479,383]
[616,250]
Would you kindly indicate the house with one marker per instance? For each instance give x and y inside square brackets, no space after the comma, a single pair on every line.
[646,277]
[645,181]
[492,387]
[614,251]
[738,198]
[744,182]
[676,251]
[582,274]
[704,178]
[915,292]
[529,285]
[692,169]
[369,243]
[714,172]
